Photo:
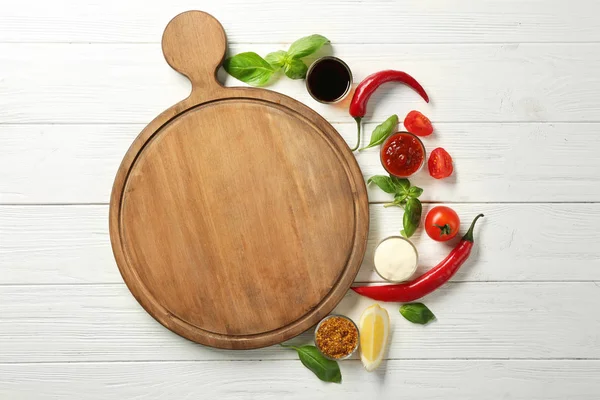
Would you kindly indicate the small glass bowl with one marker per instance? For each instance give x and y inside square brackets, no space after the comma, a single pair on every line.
[416,262]
[315,64]
[357,337]
[384,145]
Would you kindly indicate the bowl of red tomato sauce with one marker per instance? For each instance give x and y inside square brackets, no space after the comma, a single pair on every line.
[402,154]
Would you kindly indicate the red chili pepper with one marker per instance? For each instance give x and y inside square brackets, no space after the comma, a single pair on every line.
[358,106]
[429,281]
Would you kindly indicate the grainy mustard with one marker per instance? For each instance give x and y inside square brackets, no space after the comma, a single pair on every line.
[336,337]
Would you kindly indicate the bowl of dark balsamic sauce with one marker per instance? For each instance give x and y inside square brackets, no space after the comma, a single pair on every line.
[328,80]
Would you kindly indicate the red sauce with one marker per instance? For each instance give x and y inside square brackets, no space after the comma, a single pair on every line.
[402,154]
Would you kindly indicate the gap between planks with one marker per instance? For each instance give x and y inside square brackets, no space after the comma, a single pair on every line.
[370,203]
[331,121]
[454,122]
[556,359]
[374,283]
[283,44]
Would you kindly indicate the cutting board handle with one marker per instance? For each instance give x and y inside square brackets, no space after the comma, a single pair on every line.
[194,44]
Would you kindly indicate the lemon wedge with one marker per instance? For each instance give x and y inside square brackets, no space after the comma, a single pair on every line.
[374,327]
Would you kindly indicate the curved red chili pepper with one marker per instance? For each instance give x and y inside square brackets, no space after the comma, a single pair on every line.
[358,106]
[429,281]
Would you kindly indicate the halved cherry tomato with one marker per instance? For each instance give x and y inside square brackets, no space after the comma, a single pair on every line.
[418,124]
[440,164]
[442,223]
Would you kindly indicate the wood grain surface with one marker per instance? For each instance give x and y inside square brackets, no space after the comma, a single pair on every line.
[531,82]
[514,87]
[47,245]
[454,379]
[476,320]
[273,21]
[239,217]
[491,166]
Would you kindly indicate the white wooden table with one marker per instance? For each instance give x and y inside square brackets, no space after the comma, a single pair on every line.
[516,100]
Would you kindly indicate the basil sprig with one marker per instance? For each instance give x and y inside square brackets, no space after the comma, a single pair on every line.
[249,67]
[277,59]
[254,70]
[405,196]
[385,183]
[417,313]
[382,132]
[295,69]
[306,46]
[412,216]
[325,369]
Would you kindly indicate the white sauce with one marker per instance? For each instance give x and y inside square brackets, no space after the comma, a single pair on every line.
[396,259]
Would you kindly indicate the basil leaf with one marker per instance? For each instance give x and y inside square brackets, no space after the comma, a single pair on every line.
[276,59]
[402,184]
[417,313]
[412,216]
[249,68]
[306,46]
[295,69]
[382,131]
[384,182]
[400,198]
[415,191]
[325,369]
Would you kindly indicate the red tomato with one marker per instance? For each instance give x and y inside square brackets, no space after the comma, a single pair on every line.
[418,124]
[442,223]
[440,164]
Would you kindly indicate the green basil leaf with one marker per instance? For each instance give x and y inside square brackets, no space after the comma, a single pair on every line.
[384,182]
[276,59]
[306,46]
[382,131]
[415,191]
[402,184]
[400,198]
[325,369]
[412,216]
[417,313]
[295,69]
[249,68]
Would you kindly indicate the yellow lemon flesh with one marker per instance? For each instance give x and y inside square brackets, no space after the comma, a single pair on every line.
[374,329]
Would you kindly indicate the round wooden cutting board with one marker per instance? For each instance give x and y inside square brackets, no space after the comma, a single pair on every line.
[238,217]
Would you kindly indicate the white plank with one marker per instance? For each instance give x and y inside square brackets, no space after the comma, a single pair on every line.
[422,379]
[80,83]
[56,245]
[475,320]
[343,21]
[493,162]
[61,163]
[62,302]
[515,242]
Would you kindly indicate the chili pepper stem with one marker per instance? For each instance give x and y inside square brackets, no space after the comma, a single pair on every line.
[358,119]
[469,235]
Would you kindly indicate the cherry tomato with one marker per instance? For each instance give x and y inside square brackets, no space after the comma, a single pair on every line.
[418,124]
[442,223]
[440,164]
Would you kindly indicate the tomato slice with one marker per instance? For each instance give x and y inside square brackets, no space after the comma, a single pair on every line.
[440,164]
[418,124]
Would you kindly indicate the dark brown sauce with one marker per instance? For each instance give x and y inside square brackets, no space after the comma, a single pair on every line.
[328,80]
